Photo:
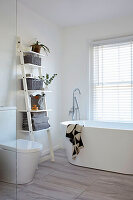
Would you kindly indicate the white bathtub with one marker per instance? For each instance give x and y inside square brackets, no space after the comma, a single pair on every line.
[107,146]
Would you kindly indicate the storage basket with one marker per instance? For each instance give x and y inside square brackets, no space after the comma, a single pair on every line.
[38,100]
[33,84]
[32,59]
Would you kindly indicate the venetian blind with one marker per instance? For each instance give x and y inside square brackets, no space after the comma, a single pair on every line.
[113,81]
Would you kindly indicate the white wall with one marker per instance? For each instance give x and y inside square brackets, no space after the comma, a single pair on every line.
[75,62]
[31,26]
[8,53]
[71,62]
[7,68]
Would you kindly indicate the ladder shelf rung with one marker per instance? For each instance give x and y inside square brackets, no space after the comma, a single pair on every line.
[32,52]
[26,131]
[33,91]
[47,110]
[32,65]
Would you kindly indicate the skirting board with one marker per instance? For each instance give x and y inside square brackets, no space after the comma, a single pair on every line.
[44,153]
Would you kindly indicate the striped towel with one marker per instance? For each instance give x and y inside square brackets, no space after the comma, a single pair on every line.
[73,132]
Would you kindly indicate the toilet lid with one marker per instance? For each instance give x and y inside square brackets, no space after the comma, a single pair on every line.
[22,146]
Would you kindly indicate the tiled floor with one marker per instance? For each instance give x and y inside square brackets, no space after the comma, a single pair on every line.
[7,191]
[63,181]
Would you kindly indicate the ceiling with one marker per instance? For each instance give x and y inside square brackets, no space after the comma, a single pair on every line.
[77,12]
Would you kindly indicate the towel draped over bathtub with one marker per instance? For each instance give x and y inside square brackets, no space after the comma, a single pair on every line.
[73,132]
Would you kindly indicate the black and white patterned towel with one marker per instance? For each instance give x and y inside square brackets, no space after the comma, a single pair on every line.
[73,132]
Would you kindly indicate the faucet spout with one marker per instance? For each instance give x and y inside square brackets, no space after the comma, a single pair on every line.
[76,89]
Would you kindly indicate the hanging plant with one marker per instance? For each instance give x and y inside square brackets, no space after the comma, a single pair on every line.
[47,79]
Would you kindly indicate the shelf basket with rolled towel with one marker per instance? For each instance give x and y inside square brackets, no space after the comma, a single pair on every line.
[39,121]
[74,132]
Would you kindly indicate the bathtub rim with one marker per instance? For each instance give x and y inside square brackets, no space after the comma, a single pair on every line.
[66,123]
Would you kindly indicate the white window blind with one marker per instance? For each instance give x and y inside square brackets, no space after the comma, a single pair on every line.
[113,81]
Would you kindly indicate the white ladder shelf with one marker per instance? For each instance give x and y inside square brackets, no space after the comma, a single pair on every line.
[27,100]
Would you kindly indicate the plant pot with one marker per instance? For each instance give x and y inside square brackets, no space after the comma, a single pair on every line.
[36,48]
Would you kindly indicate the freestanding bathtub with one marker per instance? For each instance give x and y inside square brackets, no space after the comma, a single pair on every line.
[107,146]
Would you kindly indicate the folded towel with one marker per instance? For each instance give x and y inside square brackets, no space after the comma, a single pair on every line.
[35,114]
[36,120]
[40,120]
[73,132]
[36,127]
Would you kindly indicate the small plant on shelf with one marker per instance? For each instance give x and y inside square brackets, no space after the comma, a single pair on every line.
[36,47]
[47,79]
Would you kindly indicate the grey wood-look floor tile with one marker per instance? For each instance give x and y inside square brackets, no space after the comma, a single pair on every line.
[70,184]
[91,171]
[60,160]
[61,153]
[100,173]
[83,170]
[109,188]
[55,187]
[24,194]
[7,191]
[54,166]
[60,180]
[92,196]
[83,178]
[42,171]
[50,191]
[72,173]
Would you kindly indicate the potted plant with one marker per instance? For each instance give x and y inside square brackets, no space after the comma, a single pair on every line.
[36,47]
[47,79]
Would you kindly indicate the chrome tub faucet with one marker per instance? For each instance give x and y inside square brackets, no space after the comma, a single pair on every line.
[75,111]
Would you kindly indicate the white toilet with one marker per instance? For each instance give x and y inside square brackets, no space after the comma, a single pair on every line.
[18,158]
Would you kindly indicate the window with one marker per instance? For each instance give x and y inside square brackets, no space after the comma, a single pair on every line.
[112,84]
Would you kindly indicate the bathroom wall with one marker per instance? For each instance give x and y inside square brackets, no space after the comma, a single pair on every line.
[8,53]
[70,61]
[7,85]
[75,59]
[31,26]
